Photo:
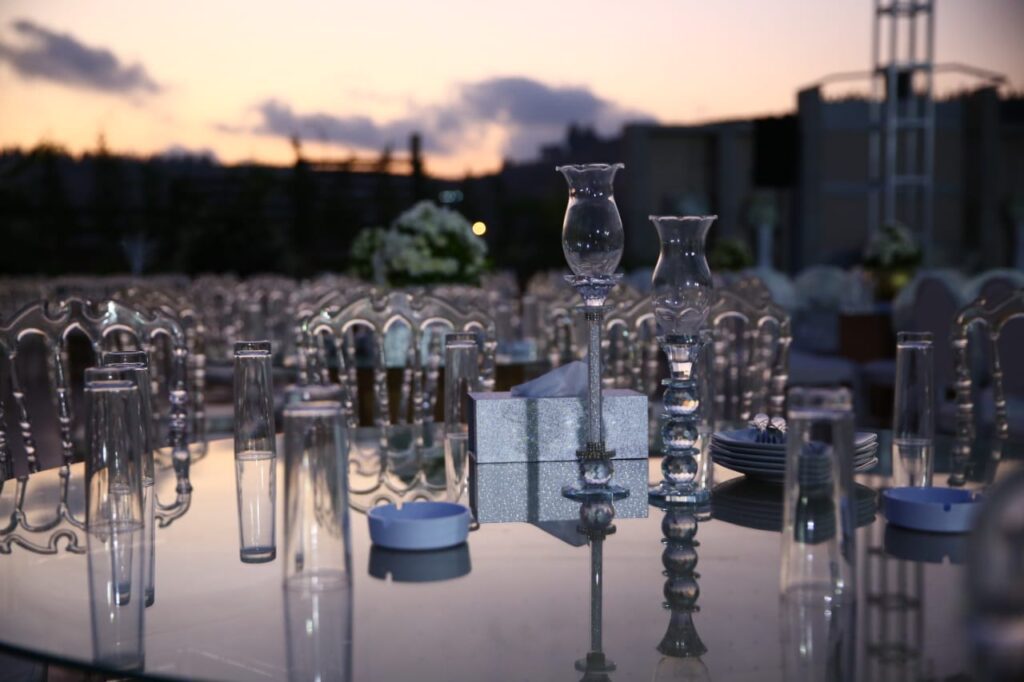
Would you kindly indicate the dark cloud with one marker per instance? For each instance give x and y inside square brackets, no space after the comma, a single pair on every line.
[62,58]
[360,131]
[526,102]
[532,113]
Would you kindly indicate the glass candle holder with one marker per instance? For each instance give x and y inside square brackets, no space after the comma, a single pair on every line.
[461,376]
[316,534]
[255,451]
[592,241]
[135,365]
[682,290]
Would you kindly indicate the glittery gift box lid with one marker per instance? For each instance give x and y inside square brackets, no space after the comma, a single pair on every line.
[505,428]
[532,491]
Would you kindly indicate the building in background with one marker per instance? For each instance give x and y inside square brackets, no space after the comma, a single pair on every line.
[103,213]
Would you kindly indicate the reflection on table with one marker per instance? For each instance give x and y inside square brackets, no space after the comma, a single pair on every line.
[517,599]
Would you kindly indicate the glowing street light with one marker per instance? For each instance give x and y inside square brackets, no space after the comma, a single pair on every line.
[479,228]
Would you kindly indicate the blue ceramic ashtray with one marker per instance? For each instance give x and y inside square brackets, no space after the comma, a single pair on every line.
[939,510]
[419,567]
[419,525]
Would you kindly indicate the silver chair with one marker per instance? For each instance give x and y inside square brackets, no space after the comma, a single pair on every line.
[751,351]
[993,318]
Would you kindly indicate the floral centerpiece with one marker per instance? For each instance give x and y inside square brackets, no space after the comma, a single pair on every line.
[427,244]
[891,256]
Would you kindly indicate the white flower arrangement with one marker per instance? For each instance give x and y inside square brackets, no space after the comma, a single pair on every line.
[426,244]
[893,246]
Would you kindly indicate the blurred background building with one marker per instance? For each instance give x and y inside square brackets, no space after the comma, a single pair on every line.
[106,213]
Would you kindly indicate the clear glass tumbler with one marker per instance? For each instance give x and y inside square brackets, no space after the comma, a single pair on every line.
[818,540]
[316,524]
[115,564]
[319,634]
[913,422]
[136,365]
[461,376]
[818,639]
[113,465]
[255,450]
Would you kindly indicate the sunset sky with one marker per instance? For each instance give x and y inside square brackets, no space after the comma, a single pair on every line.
[480,80]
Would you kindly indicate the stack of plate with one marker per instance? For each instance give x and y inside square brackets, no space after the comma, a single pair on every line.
[753,504]
[739,451]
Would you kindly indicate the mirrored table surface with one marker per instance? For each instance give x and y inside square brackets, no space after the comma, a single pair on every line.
[515,603]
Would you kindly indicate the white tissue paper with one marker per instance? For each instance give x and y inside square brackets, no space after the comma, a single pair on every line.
[567,381]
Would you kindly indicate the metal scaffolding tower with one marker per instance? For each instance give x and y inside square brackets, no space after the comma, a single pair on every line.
[902,142]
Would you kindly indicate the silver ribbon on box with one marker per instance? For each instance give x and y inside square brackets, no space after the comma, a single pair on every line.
[532,491]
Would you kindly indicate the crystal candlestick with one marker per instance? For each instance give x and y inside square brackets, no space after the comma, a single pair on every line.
[682,290]
[592,241]
[681,646]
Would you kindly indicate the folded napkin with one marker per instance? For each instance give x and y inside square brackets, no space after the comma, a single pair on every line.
[772,431]
[567,381]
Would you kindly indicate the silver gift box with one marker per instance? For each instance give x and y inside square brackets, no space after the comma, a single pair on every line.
[504,428]
[531,492]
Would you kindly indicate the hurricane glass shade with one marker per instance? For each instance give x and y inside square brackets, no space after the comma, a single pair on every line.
[592,236]
[681,286]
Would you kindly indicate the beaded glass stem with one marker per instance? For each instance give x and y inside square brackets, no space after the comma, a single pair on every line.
[681,462]
[681,645]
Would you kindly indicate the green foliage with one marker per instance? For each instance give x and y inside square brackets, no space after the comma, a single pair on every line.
[730,254]
[892,248]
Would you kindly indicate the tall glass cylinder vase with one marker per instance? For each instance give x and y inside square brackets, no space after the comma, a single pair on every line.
[818,529]
[592,241]
[461,376]
[135,363]
[116,556]
[316,523]
[255,451]
[682,291]
[913,423]
[113,465]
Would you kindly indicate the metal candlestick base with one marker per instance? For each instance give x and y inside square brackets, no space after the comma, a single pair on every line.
[596,470]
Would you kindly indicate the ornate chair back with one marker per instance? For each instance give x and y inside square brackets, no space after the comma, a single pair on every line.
[993,318]
[751,351]
[179,307]
[631,346]
[929,304]
[313,351]
[102,324]
[400,329]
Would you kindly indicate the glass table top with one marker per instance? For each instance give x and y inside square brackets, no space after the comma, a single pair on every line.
[513,604]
